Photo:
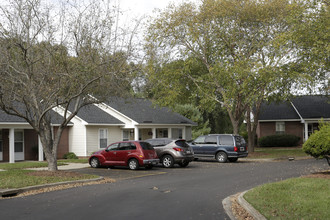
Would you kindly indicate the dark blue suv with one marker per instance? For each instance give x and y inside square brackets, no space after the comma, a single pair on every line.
[222,147]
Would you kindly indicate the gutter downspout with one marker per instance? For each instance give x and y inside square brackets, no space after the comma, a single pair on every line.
[302,121]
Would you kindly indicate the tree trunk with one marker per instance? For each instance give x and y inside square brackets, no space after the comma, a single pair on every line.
[250,132]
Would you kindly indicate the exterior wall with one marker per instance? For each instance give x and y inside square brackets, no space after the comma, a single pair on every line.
[30,144]
[92,138]
[188,133]
[145,133]
[291,127]
[77,138]
[63,146]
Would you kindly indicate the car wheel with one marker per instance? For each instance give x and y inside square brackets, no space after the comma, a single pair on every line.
[95,163]
[133,164]
[221,157]
[168,161]
[148,167]
[232,159]
[183,164]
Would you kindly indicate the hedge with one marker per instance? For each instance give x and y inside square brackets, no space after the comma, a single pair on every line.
[279,140]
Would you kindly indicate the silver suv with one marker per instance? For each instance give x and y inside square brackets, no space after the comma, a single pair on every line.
[172,152]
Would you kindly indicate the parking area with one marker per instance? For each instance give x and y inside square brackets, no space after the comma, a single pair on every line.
[122,173]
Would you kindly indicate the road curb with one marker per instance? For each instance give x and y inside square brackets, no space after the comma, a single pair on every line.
[249,208]
[227,204]
[16,191]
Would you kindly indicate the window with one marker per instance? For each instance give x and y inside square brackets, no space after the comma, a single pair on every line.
[124,146]
[200,140]
[226,140]
[125,135]
[19,141]
[176,133]
[113,147]
[161,133]
[146,146]
[103,137]
[211,139]
[280,127]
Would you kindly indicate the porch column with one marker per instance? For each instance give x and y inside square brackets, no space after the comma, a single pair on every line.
[153,132]
[11,145]
[40,150]
[169,132]
[306,131]
[184,132]
[136,133]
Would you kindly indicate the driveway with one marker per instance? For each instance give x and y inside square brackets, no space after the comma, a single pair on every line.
[195,192]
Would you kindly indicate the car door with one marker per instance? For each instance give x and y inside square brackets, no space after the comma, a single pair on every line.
[124,149]
[197,145]
[210,145]
[110,154]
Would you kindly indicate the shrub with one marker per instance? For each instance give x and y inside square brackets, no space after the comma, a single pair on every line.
[70,155]
[279,140]
[318,144]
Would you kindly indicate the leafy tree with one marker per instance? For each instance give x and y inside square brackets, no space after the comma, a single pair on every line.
[64,56]
[318,144]
[242,45]
[192,112]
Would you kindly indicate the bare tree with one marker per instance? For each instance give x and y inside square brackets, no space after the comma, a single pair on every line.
[67,54]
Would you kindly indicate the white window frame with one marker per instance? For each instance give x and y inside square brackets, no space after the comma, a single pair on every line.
[103,131]
[280,127]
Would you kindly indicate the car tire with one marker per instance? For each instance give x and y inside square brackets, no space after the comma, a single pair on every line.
[133,164]
[232,159]
[95,163]
[148,167]
[221,157]
[168,161]
[184,164]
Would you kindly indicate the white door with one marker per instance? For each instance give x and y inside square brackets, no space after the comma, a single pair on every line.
[19,144]
[1,158]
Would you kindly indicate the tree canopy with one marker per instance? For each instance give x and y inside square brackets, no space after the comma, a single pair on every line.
[67,55]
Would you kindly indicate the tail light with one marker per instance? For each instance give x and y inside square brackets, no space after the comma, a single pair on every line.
[235,149]
[177,149]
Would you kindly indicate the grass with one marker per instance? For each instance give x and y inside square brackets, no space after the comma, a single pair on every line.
[277,153]
[297,198]
[17,178]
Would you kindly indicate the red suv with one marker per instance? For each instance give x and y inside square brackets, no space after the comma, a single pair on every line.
[125,153]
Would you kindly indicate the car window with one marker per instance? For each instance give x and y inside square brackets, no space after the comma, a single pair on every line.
[239,140]
[113,147]
[211,139]
[200,140]
[124,146]
[146,146]
[132,146]
[181,143]
[226,140]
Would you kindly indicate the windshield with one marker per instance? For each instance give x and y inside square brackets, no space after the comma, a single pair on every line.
[146,146]
[181,143]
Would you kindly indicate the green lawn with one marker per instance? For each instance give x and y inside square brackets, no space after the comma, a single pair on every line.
[277,153]
[15,175]
[17,178]
[297,198]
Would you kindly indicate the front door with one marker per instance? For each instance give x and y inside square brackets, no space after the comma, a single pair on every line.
[19,144]
[1,157]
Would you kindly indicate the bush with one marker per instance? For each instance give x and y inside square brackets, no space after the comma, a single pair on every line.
[318,144]
[70,155]
[279,140]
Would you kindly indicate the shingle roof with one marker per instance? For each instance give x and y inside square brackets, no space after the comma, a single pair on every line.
[144,112]
[309,107]
[94,115]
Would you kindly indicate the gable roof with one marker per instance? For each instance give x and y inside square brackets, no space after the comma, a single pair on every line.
[308,107]
[144,112]
[94,115]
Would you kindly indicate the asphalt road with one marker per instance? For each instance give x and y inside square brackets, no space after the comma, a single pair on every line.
[195,192]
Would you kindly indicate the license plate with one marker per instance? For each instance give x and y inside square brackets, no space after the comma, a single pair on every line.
[242,149]
[188,151]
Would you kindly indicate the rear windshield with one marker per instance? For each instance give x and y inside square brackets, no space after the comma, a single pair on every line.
[181,143]
[239,140]
[146,146]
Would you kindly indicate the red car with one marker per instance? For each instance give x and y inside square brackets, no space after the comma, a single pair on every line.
[125,153]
